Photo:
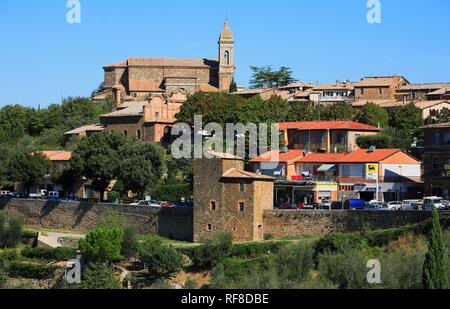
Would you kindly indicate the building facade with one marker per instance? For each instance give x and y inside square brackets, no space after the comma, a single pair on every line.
[229,199]
[437,160]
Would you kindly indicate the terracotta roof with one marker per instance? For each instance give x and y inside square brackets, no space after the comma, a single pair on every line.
[144,85]
[128,109]
[297,85]
[430,86]
[440,91]
[378,81]
[277,156]
[166,62]
[207,88]
[101,95]
[253,91]
[358,156]
[303,94]
[89,128]
[420,104]
[224,155]
[325,125]
[57,155]
[235,173]
[360,103]
[340,86]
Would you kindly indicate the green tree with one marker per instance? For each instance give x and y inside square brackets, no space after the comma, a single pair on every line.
[407,119]
[233,87]
[96,157]
[380,141]
[102,245]
[434,272]
[14,123]
[161,261]
[141,166]
[99,277]
[373,115]
[28,168]
[338,111]
[10,230]
[266,77]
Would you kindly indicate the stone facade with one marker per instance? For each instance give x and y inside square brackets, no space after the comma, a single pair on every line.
[168,222]
[281,223]
[228,199]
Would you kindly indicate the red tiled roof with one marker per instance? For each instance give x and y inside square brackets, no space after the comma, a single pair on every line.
[271,156]
[324,125]
[235,173]
[359,156]
[57,155]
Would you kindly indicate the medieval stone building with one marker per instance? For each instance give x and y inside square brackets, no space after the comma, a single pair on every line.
[229,199]
[147,93]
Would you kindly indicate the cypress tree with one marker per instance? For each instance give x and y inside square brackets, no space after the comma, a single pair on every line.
[434,273]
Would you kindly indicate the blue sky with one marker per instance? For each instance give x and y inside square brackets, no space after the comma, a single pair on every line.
[43,58]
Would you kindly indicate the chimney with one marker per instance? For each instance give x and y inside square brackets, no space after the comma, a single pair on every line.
[117,98]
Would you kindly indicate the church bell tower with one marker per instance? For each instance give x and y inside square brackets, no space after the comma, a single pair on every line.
[226,58]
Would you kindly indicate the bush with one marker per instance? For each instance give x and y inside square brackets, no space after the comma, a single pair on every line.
[102,245]
[213,251]
[3,278]
[6,257]
[346,269]
[10,230]
[294,265]
[339,243]
[161,261]
[30,271]
[28,236]
[130,242]
[253,250]
[60,254]
[191,284]
[99,277]
[380,141]
[172,192]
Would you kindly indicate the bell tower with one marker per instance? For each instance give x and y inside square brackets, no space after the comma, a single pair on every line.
[226,58]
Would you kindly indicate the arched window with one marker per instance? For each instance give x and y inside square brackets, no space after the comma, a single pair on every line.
[139,134]
[226,56]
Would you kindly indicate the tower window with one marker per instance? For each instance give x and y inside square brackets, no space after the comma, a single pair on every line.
[138,134]
[241,207]
[242,186]
[125,132]
[213,205]
[226,56]
[209,227]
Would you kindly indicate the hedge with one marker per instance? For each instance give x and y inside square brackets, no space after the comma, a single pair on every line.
[60,254]
[30,271]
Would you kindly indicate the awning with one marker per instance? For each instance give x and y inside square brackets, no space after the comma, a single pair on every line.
[327,168]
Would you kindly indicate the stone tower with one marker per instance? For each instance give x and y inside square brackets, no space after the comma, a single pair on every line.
[226,58]
[229,199]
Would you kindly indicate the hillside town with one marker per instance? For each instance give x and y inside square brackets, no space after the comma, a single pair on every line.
[367,155]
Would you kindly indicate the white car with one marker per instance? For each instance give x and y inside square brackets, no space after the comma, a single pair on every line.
[411,204]
[435,201]
[397,205]
[146,203]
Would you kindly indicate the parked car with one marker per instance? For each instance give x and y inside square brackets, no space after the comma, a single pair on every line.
[6,194]
[38,195]
[20,195]
[355,204]
[52,196]
[167,205]
[376,207]
[337,205]
[146,203]
[435,201]
[395,205]
[411,204]
[184,205]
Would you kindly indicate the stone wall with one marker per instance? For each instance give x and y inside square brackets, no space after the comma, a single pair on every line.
[299,223]
[174,223]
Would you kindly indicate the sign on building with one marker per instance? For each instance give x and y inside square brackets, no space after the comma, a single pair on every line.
[372,171]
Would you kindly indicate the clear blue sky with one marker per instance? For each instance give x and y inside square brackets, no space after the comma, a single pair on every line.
[43,58]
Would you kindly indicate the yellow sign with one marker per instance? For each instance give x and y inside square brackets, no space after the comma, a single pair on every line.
[372,168]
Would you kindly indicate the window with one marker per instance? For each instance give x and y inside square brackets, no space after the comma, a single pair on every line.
[436,164]
[362,91]
[242,186]
[226,56]
[319,139]
[138,134]
[380,91]
[125,132]
[213,205]
[447,138]
[305,139]
[209,227]
[339,138]
[241,206]
[157,115]
[437,138]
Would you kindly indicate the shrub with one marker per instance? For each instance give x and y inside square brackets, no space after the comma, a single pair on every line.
[99,277]
[10,230]
[191,284]
[130,242]
[294,264]
[172,192]
[213,251]
[253,250]
[6,257]
[3,278]
[102,245]
[161,261]
[338,243]
[28,236]
[346,269]
[60,254]
[30,271]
